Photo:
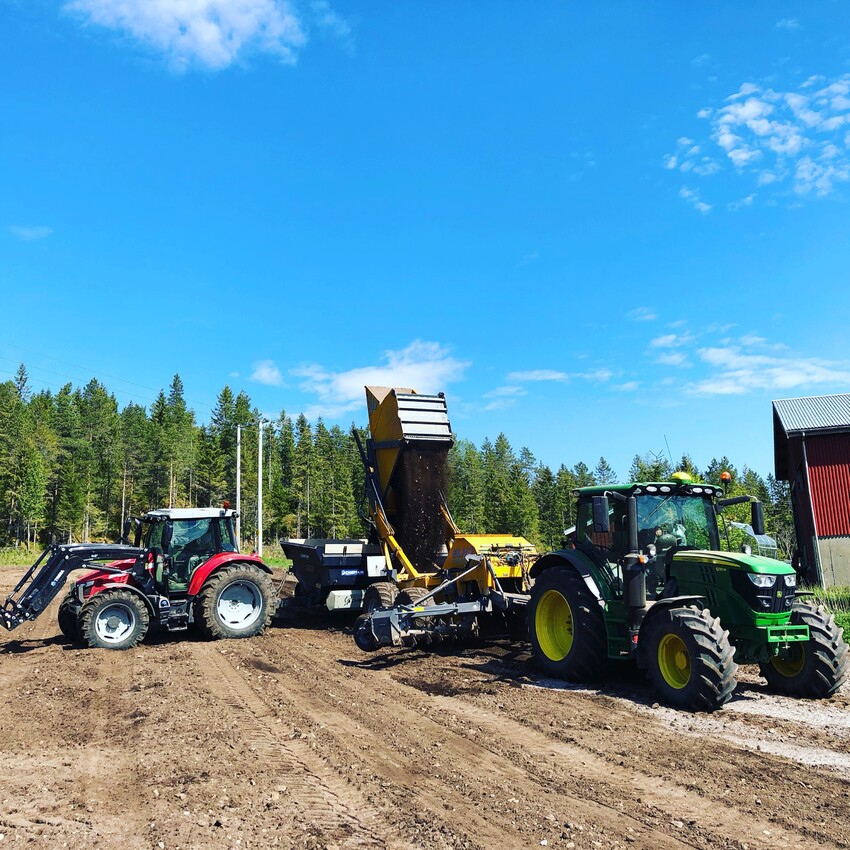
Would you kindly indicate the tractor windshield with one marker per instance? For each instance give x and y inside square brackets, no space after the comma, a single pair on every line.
[676,520]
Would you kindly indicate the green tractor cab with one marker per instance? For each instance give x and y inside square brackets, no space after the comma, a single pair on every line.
[644,579]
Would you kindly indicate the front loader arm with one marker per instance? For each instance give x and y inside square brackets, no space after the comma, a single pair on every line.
[45,578]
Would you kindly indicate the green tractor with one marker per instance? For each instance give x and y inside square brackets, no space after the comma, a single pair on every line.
[645,580]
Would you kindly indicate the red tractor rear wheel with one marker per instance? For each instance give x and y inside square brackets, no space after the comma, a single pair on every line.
[235,602]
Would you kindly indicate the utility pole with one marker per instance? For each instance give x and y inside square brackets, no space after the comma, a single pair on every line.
[260,488]
[238,486]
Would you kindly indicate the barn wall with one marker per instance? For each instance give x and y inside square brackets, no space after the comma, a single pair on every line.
[835,560]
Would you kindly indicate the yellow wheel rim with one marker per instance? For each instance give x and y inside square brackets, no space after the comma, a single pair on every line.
[674,661]
[553,625]
[791,666]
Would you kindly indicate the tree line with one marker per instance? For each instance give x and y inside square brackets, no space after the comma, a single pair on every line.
[74,466]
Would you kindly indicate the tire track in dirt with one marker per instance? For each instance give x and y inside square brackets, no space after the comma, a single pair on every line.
[325,801]
[714,822]
[455,767]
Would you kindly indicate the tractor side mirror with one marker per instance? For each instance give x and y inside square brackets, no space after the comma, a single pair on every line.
[125,534]
[601,524]
[757,520]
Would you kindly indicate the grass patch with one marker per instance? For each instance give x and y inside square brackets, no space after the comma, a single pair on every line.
[837,600]
[11,556]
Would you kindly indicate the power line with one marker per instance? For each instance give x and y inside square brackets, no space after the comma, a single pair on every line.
[204,406]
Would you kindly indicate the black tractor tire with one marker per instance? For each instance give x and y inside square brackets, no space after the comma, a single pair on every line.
[689,659]
[235,602]
[362,633]
[68,619]
[817,668]
[411,596]
[114,619]
[381,594]
[565,627]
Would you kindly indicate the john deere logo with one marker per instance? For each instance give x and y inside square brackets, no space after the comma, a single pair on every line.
[779,595]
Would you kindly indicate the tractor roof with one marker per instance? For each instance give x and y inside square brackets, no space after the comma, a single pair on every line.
[688,488]
[187,513]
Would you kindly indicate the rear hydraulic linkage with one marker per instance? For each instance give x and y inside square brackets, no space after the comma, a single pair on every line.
[397,625]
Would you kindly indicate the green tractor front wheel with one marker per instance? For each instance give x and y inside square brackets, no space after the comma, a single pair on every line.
[817,668]
[689,659]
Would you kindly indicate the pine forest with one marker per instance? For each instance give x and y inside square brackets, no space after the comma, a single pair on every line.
[73,466]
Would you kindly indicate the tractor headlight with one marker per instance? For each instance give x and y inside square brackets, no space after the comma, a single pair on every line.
[790,580]
[760,580]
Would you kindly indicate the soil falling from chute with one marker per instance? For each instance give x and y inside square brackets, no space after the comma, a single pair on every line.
[420,528]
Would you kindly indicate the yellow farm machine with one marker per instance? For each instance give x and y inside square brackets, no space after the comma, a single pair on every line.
[416,560]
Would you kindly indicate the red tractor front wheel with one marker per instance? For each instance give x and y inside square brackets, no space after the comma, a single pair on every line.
[114,619]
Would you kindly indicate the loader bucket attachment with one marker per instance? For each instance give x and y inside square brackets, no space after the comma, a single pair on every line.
[410,439]
[45,578]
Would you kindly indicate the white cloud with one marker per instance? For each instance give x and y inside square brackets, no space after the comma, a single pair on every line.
[738,372]
[743,202]
[209,33]
[267,372]
[670,341]
[596,376]
[537,375]
[426,367]
[30,234]
[642,314]
[788,24]
[506,392]
[673,358]
[791,140]
[628,387]
[500,404]
[693,197]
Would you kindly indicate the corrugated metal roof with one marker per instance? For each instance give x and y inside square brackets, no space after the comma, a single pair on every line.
[816,413]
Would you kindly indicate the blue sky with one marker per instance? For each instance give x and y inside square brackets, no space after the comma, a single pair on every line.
[602,228]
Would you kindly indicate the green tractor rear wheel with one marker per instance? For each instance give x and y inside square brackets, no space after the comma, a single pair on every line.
[817,668]
[565,626]
[689,659]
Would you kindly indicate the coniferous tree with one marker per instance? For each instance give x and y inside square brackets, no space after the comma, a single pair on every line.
[650,467]
[604,473]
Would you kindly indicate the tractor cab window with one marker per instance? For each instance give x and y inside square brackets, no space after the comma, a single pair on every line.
[671,520]
[614,543]
[226,535]
[154,535]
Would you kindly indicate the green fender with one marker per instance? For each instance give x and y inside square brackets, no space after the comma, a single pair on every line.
[579,562]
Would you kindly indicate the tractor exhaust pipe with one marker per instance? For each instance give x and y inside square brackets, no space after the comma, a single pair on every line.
[634,577]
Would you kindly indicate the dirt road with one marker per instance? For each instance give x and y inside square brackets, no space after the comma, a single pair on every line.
[295,739]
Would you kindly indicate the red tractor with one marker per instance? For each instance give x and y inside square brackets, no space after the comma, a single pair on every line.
[183,569]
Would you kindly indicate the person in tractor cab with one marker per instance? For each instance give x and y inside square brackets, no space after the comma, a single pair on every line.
[192,543]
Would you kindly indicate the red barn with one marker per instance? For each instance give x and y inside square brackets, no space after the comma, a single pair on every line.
[811,447]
